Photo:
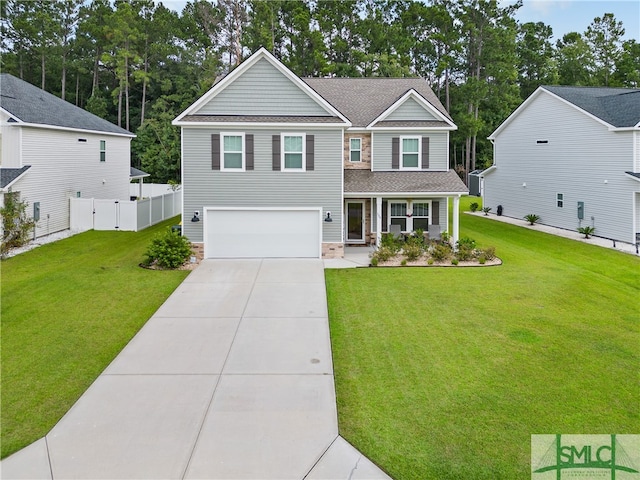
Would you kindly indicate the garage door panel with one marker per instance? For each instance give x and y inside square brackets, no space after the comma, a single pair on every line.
[262,233]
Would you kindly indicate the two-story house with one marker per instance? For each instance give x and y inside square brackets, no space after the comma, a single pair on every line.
[51,150]
[274,165]
[572,156]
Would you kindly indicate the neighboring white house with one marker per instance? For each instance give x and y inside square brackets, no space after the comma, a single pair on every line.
[51,150]
[572,156]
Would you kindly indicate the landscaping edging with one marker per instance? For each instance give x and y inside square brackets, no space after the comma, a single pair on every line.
[421,263]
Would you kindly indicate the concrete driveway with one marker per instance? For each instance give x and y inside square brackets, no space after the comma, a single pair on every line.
[231,378]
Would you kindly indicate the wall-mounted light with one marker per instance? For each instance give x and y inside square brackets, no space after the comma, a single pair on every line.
[196,216]
[328,217]
[606,181]
[524,184]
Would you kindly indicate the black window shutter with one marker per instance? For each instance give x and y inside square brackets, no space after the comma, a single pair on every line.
[215,151]
[248,154]
[435,214]
[425,152]
[395,153]
[310,152]
[276,152]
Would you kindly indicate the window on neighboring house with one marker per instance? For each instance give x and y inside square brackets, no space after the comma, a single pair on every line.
[103,150]
[355,150]
[420,216]
[398,214]
[560,200]
[293,152]
[410,152]
[232,151]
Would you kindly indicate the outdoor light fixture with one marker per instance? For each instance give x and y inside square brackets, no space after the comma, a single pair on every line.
[328,217]
[196,216]
[524,185]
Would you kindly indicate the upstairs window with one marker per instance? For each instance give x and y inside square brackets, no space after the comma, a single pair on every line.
[560,200]
[355,150]
[293,152]
[232,151]
[410,152]
[103,150]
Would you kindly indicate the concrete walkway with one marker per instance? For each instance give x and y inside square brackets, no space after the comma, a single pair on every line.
[231,378]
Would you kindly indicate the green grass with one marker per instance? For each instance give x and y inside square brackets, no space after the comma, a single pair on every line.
[67,309]
[445,373]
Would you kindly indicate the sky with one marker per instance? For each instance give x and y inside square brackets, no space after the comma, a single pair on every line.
[563,16]
[566,16]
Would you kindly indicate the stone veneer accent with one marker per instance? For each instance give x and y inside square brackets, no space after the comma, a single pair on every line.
[332,250]
[365,155]
[198,250]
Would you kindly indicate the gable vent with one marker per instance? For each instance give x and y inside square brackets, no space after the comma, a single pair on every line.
[542,141]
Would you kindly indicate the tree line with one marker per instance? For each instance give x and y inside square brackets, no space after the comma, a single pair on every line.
[139,64]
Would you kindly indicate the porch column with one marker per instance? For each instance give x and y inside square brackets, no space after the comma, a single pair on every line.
[378,221]
[456,219]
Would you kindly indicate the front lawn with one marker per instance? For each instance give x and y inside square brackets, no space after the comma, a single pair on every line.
[445,373]
[68,308]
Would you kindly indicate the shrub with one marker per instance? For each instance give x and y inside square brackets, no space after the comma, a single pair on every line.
[474,207]
[430,261]
[454,261]
[388,241]
[532,218]
[441,251]
[168,250]
[17,225]
[374,261]
[384,253]
[465,249]
[482,259]
[486,210]
[587,231]
[488,253]
[412,251]
[403,262]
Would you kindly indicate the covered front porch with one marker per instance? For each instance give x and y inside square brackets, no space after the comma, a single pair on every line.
[400,202]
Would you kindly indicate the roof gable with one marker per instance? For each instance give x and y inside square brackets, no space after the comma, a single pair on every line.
[412,106]
[614,108]
[260,86]
[28,104]
[363,100]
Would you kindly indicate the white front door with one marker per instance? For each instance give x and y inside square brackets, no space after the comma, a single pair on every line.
[355,222]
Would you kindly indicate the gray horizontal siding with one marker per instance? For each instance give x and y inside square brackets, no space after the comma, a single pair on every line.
[262,187]
[581,154]
[262,90]
[438,149]
[411,110]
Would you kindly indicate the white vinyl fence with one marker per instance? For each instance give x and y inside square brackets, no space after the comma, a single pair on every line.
[126,215]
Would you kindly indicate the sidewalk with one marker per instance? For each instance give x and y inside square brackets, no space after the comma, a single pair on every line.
[232,378]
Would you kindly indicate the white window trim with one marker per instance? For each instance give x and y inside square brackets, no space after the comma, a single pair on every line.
[304,152]
[559,200]
[411,137]
[409,204]
[358,150]
[428,217]
[102,151]
[244,152]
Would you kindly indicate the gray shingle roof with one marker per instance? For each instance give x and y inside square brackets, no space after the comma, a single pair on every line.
[365,181]
[261,118]
[411,123]
[362,100]
[8,175]
[619,107]
[33,105]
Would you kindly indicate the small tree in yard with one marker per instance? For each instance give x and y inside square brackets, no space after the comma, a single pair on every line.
[16,224]
[168,250]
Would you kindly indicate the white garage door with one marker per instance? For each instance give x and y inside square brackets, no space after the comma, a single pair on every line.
[257,233]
